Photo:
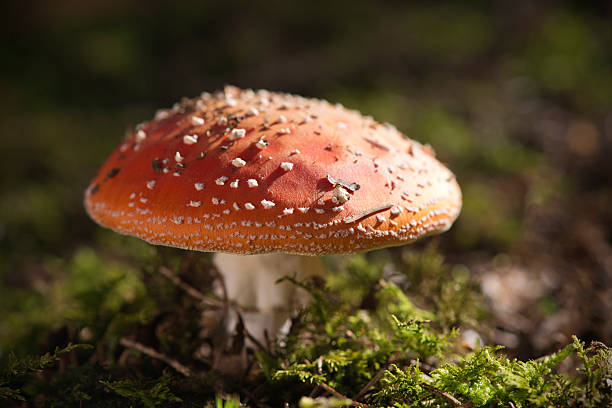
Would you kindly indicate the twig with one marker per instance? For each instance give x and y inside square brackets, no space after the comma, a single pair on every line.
[248,335]
[338,395]
[190,290]
[314,391]
[156,355]
[445,395]
[373,381]
[367,213]
[377,377]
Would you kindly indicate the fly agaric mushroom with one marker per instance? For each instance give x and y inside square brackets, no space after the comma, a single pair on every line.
[255,172]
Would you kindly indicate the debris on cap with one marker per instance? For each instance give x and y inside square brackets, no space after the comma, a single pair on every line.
[246,171]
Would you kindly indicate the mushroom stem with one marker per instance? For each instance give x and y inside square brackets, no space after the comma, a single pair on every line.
[251,283]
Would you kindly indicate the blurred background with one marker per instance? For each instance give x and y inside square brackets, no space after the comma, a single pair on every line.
[515,96]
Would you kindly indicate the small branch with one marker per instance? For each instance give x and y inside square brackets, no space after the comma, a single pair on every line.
[248,335]
[190,290]
[445,395]
[156,355]
[314,391]
[338,395]
[377,377]
[373,381]
[367,213]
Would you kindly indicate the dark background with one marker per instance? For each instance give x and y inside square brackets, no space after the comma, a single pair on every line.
[514,96]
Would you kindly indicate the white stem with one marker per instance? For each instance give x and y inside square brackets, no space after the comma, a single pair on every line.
[250,281]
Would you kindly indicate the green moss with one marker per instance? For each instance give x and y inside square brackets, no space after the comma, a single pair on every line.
[85,292]
[17,371]
[387,338]
[150,394]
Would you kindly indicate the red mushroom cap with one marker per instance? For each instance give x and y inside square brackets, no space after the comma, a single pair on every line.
[254,171]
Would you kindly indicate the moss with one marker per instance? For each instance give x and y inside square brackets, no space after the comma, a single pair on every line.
[387,337]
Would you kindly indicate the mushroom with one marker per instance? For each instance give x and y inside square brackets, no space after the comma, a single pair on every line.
[254,172]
